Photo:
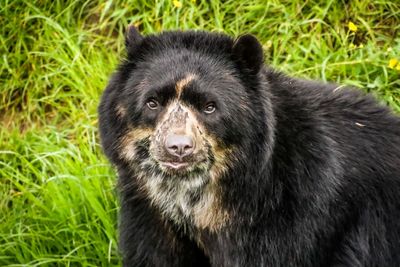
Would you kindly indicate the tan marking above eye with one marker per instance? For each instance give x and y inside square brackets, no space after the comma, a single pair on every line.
[179,86]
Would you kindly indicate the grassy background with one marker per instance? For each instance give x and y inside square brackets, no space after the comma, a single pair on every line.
[57,201]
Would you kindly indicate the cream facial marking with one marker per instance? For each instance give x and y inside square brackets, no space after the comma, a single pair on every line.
[127,143]
[120,111]
[179,86]
[178,119]
[174,196]
[209,212]
[195,199]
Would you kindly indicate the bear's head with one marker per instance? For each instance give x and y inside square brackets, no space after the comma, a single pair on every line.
[180,110]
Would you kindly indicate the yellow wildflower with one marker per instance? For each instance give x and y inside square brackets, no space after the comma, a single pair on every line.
[393,62]
[268,45]
[352,27]
[177,4]
[398,67]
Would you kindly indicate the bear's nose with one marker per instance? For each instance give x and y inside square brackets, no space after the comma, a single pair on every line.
[179,145]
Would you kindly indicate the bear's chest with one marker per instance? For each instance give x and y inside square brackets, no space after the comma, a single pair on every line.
[191,202]
[176,198]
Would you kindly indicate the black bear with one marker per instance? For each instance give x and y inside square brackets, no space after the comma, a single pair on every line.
[223,161]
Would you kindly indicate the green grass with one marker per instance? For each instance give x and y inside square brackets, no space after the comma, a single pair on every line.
[57,200]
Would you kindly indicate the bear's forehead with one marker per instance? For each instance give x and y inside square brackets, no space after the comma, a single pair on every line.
[164,74]
[172,63]
[193,89]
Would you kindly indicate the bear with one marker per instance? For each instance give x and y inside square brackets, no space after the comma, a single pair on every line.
[224,161]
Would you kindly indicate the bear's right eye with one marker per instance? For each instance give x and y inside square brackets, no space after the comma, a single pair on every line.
[152,104]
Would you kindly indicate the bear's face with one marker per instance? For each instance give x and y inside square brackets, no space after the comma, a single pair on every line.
[178,113]
[184,112]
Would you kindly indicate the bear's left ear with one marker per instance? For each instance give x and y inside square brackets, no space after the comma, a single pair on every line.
[132,39]
[248,51]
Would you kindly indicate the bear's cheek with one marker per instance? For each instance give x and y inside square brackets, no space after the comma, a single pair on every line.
[133,144]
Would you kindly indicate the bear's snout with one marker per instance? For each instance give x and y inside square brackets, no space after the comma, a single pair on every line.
[179,146]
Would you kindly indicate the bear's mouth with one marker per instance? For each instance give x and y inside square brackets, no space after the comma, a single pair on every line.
[174,165]
[183,167]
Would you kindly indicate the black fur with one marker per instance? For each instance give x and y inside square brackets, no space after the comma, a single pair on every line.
[314,172]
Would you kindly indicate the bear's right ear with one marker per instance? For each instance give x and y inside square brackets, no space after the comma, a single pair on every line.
[132,39]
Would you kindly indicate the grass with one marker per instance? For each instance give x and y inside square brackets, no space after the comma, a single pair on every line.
[57,200]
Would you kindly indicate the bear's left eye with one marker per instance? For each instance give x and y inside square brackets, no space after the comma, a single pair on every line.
[210,108]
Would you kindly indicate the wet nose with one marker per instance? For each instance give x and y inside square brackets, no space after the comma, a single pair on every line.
[179,145]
